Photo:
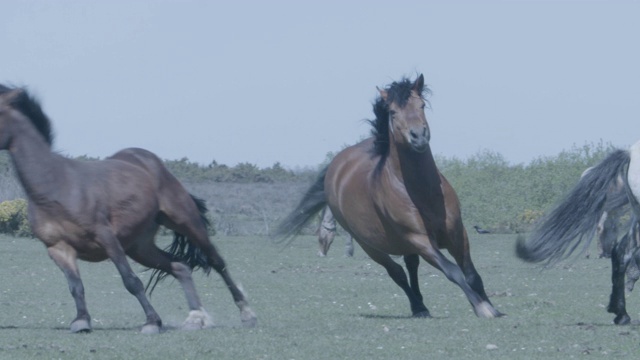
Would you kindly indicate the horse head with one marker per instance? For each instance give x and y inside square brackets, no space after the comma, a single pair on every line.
[407,122]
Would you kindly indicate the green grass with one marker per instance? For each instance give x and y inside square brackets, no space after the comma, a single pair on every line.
[317,308]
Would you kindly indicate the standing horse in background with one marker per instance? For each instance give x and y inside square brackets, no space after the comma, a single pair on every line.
[327,230]
[109,209]
[574,220]
[387,192]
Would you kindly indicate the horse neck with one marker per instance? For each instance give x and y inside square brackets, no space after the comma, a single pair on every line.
[34,162]
[420,176]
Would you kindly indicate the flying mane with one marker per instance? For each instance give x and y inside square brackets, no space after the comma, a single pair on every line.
[30,107]
[399,93]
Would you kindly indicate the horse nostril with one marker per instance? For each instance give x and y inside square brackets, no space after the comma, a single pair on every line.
[413,134]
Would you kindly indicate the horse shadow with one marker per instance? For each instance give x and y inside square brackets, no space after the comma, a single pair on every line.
[397,317]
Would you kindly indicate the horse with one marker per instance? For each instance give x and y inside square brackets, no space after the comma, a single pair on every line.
[327,230]
[607,228]
[110,209]
[387,193]
[573,221]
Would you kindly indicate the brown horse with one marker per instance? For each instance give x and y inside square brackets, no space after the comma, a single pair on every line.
[387,192]
[109,209]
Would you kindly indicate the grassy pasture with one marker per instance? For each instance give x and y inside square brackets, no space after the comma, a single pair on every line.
[317,308]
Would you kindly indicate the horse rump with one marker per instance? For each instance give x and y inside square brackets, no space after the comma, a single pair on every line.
[575,218]
[181,249]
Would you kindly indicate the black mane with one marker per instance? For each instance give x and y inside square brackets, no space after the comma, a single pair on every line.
[29,106]
[398,93]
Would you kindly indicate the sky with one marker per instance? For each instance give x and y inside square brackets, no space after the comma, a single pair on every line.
[290,81]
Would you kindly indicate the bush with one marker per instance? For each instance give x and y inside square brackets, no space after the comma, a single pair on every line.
[13,218]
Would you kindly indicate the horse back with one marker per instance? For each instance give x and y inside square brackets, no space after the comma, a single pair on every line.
[175,202]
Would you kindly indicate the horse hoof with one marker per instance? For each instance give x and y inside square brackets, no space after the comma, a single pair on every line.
[150,329]
[248,317]
[622,319]
[80,326]
[422,314]
[197,320]
[485,310]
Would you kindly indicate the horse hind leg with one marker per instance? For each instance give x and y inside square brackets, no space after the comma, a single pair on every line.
[152,257]
[196,232]
[64,256]
[247,316]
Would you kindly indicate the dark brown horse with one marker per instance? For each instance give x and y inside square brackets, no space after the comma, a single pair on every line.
[388,194]
[109,209]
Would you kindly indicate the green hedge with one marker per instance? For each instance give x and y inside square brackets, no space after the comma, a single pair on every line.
[13,218]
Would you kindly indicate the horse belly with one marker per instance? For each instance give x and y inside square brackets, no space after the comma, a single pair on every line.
[368,230]
[91,252]
[54,232]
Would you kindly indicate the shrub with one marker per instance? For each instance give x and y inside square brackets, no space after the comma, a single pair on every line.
[13,218]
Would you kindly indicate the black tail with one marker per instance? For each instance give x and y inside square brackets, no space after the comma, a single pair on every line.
[181,249]
[313,201]
[560,232]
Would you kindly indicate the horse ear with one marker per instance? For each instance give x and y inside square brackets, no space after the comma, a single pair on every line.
[383,93]
[418,86]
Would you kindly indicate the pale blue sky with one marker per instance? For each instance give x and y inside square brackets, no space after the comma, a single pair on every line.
[289,81]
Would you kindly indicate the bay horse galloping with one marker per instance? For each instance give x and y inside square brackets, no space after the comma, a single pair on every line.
[573,222]
[387,192]
[109,209]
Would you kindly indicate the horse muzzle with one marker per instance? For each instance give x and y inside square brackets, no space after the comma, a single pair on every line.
[419,142]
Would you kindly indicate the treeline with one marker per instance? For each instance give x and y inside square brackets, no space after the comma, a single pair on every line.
[241,173]
[510,198]
[245,199]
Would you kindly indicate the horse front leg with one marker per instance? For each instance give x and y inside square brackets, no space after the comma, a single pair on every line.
[481,306]
[397,274]
[412,262]
[131,282]
[617,302]
[64,256]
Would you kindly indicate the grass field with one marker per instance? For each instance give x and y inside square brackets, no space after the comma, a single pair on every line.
[317,308]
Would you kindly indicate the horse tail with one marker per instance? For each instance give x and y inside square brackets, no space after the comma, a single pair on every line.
[312,202]
[560,232]
[181,249]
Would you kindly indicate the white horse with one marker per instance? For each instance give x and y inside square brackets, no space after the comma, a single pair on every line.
[574,221]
